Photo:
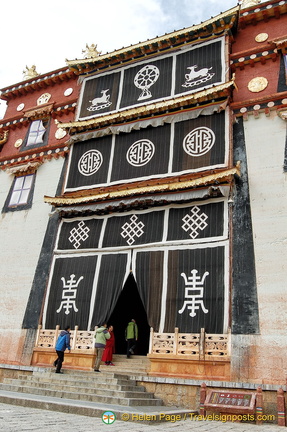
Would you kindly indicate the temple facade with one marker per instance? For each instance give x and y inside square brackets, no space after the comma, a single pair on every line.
[134,186]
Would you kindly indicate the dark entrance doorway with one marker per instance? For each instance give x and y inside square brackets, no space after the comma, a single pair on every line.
[129,306]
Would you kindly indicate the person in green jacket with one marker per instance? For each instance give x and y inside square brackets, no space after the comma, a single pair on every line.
[101,336]
[131,334]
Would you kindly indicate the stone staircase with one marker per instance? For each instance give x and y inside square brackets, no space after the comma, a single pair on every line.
[106,387]
[87,392]
[135,365]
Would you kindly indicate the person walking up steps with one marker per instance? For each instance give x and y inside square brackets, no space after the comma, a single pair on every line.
[62,344]
[131,337]
[101,337]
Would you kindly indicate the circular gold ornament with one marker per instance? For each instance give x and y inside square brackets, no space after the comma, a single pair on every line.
[261,37]
[60,133]
[18,143]
[257,84]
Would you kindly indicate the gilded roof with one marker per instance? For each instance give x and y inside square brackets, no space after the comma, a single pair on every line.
[220,23]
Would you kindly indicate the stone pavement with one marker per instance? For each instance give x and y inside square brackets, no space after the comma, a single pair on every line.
[18,419]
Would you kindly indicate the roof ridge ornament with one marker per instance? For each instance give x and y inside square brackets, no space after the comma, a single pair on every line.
[30,72]
[91,51]
[249,3]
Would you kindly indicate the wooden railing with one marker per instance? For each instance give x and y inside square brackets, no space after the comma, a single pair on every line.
[80,339]
[193,346]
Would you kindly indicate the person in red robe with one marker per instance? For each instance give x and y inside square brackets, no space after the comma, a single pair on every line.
[109,348]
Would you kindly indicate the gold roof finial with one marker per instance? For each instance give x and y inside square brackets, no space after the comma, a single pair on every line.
[248,3]
[30,72]
[91,51]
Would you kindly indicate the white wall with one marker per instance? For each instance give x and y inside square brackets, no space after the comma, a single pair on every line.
[21,237]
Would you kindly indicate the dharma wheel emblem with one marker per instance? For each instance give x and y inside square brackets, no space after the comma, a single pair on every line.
[199,141]
[140,152]
[144,79]
[90,162]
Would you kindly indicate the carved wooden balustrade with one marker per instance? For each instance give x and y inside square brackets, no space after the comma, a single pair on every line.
[194,346]
[80,339]
[197,346]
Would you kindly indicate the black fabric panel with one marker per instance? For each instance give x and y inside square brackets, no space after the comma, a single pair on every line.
[245,316]
[285,155]
[196,222]
[282,79]
[149,277]
[110,283]
[214,155]
[158,164]
[100,95]
[75,177]
[34,306]
[206,59]
[135,229]
[147,82]
[70,292]
[80,234]
[210,313]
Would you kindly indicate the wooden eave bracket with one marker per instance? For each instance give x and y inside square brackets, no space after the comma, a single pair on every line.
[39,111]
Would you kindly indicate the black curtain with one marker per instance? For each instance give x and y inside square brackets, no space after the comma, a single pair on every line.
[70,292]
[207,56]
[105,87]
[112,274]
[134,229]
[196,222]
[141,153]
[146,82]
[205,291]
[149,278]
[200,134]
[85,156]
[80,234]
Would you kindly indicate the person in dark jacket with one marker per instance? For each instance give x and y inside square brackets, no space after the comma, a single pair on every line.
[62,344]
[131,335]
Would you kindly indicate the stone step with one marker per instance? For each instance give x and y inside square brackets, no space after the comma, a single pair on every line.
[120,399]
[126,391]
[104,378]
[156,414]
[38,382]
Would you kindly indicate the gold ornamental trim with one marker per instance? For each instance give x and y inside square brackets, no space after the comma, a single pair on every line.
[225,175]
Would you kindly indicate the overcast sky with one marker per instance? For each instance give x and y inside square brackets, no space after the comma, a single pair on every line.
[47,33]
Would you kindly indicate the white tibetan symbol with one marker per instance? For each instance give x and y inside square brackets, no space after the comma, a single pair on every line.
[90,162]
[199,141]
[144,79]
[196,77]
[140,152]
[101,102]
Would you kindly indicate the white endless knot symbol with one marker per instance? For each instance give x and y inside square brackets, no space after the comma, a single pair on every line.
[199,141]
[79,234]
[140,152]
[132,230]
[194,222]
[90,162]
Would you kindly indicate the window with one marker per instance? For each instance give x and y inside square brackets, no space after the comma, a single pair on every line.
[21,190]
[21,193]
[36,135]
